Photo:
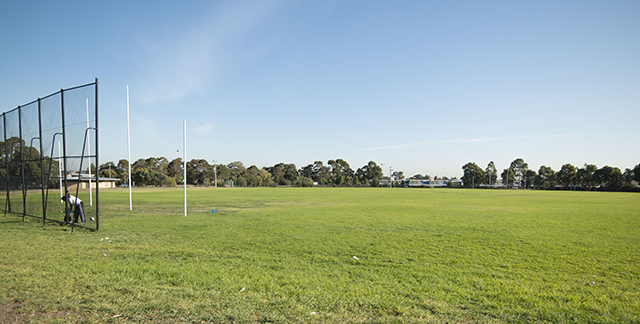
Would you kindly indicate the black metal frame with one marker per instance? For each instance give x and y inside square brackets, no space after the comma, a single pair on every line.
[46,178]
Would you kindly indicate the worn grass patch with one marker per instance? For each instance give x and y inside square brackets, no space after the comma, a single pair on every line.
[286,255]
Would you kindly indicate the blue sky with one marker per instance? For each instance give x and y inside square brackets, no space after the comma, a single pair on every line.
[421,86]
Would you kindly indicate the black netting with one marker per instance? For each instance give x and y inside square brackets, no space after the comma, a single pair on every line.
[49,148]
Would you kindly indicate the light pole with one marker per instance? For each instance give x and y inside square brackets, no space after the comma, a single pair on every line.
[473,179]
[215,175]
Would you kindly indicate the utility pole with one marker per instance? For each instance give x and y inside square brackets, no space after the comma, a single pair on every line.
[215,175]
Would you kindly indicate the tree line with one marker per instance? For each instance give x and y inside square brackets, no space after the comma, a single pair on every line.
[162,172]
[518,174]
[16,158]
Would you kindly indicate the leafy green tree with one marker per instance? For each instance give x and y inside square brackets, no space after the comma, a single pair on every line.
[307,171]
[236,169]
[370,174]
[277,173]
[283,174]
[290,172]
[566,175]
[584,176]
[491,173]
[252,176]
[109,170]
[148,177]
[508,177]
[341,172]
[398,175]
[266,178]
[305,182]
[472,175]
[175,170]
[609,177]
[199,172]
[546,178]
[123,168]
[636,173]
[223,173]
[627,176]
[321,173]
[519,168]
[529,178]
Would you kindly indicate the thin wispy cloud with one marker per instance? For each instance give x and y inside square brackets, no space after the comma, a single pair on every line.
[546,136]
[470,140]
[184,66]
[204,128]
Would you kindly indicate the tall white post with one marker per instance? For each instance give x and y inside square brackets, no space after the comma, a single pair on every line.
[60,170]
[89,155]
[184,164]
[129,149]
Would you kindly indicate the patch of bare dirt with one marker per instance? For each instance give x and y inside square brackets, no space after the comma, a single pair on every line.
[9,313]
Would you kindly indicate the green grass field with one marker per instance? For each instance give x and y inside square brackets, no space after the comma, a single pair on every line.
[285,255]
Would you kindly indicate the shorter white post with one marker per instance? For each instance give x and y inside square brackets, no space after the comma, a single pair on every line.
[60,170]
[184,164]
[89,155]
[129,150]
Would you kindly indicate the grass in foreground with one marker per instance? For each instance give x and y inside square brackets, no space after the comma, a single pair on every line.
[286,255]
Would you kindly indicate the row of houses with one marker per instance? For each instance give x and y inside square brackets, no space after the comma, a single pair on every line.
[421,183]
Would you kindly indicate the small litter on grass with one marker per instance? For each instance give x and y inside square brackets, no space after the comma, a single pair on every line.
[105,254]
[313,313]
[63,297]
[355,258]
[592,283]
[115,316]
[241,290]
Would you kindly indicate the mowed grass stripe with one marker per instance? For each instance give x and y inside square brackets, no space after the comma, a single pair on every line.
[424,255]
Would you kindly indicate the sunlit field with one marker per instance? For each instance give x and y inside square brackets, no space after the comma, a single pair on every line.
[331,255]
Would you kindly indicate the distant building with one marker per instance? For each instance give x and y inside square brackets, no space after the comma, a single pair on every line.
[428,183]
[85,179]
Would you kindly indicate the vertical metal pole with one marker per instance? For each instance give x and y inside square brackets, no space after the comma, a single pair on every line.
[184,152]
[6,151]
[64,156]
[44,208]
[24,184]
[129,149]
[97,162]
